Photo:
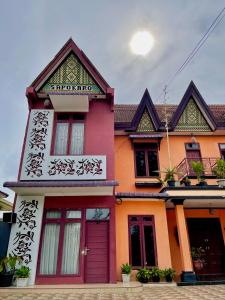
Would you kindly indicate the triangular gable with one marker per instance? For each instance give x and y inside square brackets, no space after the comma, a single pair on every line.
[193,113]
[146,118]
[71,76]
[145,124]
[71,66]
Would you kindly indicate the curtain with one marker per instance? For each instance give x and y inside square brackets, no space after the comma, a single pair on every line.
[53,214]
[77,139]
[71,248]
[49,251]
[61,138]
[76,214]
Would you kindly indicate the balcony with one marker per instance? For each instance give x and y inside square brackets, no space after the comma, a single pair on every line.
[185,169]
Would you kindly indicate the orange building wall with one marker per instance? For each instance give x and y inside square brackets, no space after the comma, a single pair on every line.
[155,208]
[124,158]
[189,213]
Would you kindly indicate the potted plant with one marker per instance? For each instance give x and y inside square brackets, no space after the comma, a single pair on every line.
[126,271]
[170,176]
[198,257]
[22,276]
[186,181]
[219,170]
[7,269]
[198,168]
[143,275]
[156,274]
[169,274]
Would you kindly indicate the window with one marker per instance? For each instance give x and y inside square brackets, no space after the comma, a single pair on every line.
[142,241]
[59,252]
[222,150]
[69,134]
[146,160]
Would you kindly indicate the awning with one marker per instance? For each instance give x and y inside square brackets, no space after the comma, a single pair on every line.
[70,103]
[5,205]
[63,188]
[146,136]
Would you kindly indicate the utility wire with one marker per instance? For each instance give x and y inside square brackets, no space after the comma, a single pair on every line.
[200,43]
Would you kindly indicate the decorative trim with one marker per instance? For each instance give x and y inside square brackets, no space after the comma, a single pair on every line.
[25,234]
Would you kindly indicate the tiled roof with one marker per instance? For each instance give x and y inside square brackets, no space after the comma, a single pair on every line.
[124,113]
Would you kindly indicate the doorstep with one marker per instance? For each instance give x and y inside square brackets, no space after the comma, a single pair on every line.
[79,288]
[211,282]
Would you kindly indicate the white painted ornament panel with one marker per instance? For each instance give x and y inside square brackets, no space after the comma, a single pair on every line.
[25,234]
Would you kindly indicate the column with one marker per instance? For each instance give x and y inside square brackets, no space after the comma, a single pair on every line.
[188,274]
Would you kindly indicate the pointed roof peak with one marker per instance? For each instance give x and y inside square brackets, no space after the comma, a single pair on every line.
[146,104]
[69,46]
[193,92]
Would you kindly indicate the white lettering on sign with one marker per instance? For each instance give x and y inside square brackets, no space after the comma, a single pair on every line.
[63,87]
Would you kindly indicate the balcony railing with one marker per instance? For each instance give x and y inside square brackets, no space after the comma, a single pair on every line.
[185,166]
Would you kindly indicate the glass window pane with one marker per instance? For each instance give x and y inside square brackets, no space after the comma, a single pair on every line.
[135,245]
[71,249]
[222,146]
[97,214]
[53,214]
[153,163]
[61,138]
[147,218]
[49,251]
[77,139]
[76,214]
[149,246]
[140,163]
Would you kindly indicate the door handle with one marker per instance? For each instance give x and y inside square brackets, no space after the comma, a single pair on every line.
[85,251]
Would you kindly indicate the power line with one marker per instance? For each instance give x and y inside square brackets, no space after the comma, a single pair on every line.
[200,43]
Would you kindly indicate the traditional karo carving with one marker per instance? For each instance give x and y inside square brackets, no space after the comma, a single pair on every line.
[70,167]
[192,119]
[26,220]
[71,72]
[145,124]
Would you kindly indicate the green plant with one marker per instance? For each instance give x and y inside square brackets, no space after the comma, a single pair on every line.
[8,264]
[170,174]
[186,180]
[219,169]
[126,268]
[198,168]
[169,274]
[22,272]
[156,274]
[143,275]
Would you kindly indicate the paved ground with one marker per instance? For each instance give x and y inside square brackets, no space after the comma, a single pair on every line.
[159,293]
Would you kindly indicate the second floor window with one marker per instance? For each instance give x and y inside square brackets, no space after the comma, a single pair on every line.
[146,160]
[69,134]
[222,151]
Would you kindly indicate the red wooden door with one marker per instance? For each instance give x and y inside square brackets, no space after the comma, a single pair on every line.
[96,260]
[192,155]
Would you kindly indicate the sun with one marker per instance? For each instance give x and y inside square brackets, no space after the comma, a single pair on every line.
[142,42]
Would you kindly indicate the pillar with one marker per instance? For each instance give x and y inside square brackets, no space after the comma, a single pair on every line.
[187,274]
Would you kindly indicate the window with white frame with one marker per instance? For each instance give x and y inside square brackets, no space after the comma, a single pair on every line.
[69,134]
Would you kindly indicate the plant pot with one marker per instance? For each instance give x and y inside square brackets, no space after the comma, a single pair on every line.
[155,279]
[187,183]
[202,183]
[21,282]
[171,183]
[198,265]
[126,278]
[168,278]
[221,182]
[6,279]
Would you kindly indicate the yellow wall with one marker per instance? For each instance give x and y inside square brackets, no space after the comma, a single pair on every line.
[189,213]
[155,208]
[124,157]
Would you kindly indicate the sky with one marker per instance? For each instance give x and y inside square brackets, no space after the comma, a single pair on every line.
[32,32]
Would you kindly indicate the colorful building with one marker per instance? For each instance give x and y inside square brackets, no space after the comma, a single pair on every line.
[65,200]
[156,225]
[87,195]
